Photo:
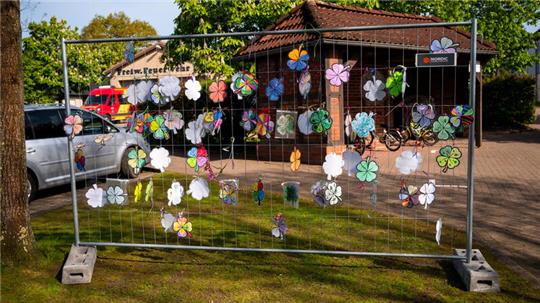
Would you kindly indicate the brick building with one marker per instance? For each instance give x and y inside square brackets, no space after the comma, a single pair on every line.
[379,50]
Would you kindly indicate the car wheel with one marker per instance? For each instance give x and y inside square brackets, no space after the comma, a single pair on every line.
[128,171]
[31,185]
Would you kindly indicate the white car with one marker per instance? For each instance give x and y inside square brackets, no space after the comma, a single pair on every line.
[47,154]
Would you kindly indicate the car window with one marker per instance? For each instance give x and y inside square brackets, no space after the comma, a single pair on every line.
[96,100]
[46,123]
[123,99]
[110,128]
[28,132]
[92,124]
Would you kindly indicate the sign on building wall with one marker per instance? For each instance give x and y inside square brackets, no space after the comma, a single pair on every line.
[148,67]
[436,60]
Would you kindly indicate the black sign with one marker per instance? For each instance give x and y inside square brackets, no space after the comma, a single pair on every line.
[434,60]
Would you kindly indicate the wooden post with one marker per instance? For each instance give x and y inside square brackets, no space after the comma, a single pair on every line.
[478,122]
[334,105]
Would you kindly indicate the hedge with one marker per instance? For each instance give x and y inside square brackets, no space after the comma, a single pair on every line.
[509,101]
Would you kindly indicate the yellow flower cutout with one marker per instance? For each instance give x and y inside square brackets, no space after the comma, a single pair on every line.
[138,191]
[182,227]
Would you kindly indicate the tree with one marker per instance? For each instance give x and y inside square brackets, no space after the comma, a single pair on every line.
[17,239]
[113,26]
[116,25]
[43,74]
[214,16]
[42,62]
[501,22]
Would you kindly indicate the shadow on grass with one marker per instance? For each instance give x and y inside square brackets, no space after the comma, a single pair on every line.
[453,277]
[384,279]
[59,273]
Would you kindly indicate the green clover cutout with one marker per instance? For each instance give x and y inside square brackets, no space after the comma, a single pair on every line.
[367,170]
[285,125]
[149,192]
[443,128]
[136,158]
[394,83]
[448,157]
[320,120]
[158,128]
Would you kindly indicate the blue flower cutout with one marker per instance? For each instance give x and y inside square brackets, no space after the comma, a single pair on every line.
[129,52]
[274,89]
[423,115]
[362,124]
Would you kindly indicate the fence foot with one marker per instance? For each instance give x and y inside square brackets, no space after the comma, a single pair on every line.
[478,276]
[79,265]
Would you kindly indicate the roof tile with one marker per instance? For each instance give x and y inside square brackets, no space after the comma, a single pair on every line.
[317,14]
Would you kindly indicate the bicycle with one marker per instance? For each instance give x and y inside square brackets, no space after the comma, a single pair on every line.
[391,138]
[420,126]
[419,133]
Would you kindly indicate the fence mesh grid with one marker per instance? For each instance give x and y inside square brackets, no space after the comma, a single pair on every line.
[370,217]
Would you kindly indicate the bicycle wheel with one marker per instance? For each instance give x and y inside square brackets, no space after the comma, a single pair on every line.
[429,138]
[392,140]
[369,139]
[360,145]
[405,136]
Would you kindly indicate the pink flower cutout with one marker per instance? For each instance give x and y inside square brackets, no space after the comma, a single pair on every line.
[338,74]
[73,125]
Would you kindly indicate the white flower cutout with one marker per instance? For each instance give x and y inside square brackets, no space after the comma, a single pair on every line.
[333,193]
[351,158]
[427,194]
[349,132]
[438,231]
[140,92]
[195,130]
[198,189]
[333,165]
[155,95]
[115,195]
[375,90]
[173,120]
[304,125]
[160,158]
[175,193]
[169,87]
[167,221]
[166,90]
[408,162]
[193,89]
[94,196]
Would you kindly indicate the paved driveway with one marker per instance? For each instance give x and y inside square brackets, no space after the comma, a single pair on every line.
[507,207]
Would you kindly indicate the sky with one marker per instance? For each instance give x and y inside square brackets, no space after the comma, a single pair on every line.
[78,13]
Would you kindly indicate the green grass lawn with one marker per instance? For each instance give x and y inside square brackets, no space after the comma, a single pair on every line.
[152,275]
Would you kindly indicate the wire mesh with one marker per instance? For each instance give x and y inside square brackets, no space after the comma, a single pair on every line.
[369,221]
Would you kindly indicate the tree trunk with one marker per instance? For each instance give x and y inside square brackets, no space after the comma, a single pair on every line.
[16,239]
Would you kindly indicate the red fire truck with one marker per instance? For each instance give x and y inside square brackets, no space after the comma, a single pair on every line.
[109,102]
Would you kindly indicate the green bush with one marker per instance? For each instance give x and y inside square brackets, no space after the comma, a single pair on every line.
[509,101]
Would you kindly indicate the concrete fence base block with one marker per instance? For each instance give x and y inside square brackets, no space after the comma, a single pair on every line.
[79,265]
[477,275]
